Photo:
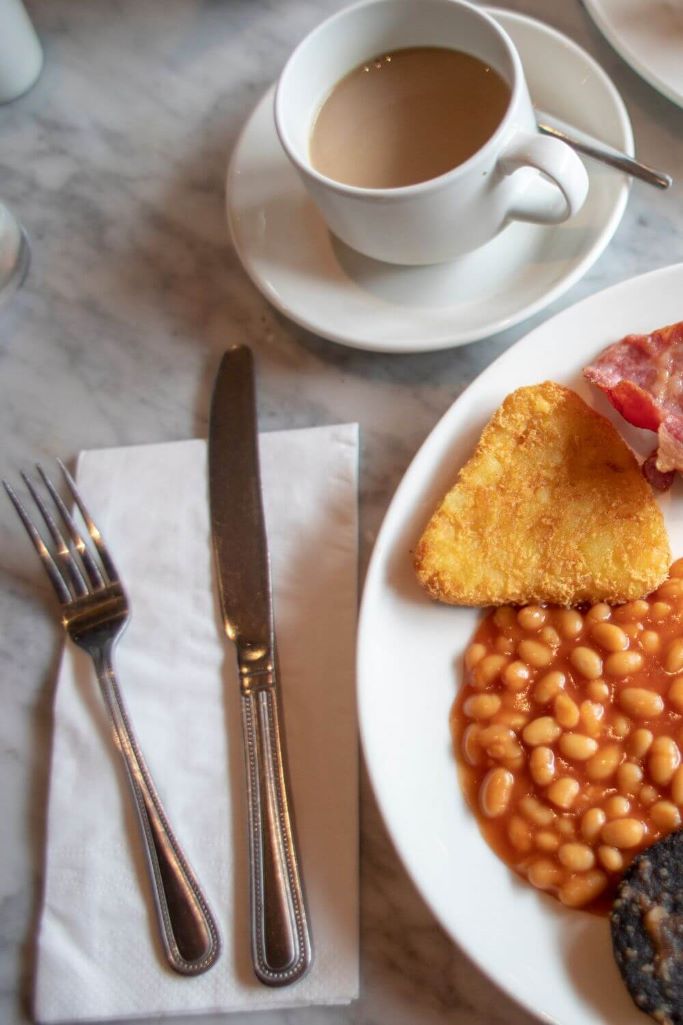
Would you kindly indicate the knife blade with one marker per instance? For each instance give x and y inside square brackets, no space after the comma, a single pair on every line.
[280,936]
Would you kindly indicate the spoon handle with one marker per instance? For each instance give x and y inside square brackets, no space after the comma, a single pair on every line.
[591,147]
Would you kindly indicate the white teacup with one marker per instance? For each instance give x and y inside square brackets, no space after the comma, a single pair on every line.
[456,212]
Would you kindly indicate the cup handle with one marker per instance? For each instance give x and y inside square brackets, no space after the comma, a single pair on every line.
[538,199]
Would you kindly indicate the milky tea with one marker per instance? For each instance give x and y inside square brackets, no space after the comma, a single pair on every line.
[407,116]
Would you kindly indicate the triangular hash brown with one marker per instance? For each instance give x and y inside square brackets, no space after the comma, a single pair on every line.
[551,507]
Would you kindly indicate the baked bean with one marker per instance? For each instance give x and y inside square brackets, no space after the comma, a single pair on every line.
[617,806]
[543,730]
[610,637]
[676,568]
[516,675]
[629,777]
[675,694]
[481,706]
[539,814]
[582,889]
[495,791]
[513,760]
[563,791]
[471,748]
[488,669]
[670,589]
[548,686]
[604,762]
[573,772]
[620,726]
[597,690]
[592,822]
[663,759]
[544,873]
[577,746]
[673,660]
[641,703]
[550,636]
[499,741]
[665,815]
[623,833]
[547,841]
[590,715]
[647,794]
[520,834]
[505,617]
[532,617]
[595,792]
[586,661]
[650,642]
[509,717]
[610,858]
[677,785]
[474,653]
[577,857]
[512,755]
[566,711]
[623,663]
[599,613]
[504,645]
[569,622]
[639,742]
[542,765]
[637,609]
[534,653]
[660,610]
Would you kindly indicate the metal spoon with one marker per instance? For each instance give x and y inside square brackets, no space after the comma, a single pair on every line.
[548,124]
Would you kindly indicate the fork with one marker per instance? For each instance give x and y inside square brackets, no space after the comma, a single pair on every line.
[95,612]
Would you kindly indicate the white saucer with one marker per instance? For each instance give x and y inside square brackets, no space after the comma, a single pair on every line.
[648,36]
[335,292]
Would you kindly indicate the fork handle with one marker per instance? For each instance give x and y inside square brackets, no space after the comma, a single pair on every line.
[188,930]
[280,939]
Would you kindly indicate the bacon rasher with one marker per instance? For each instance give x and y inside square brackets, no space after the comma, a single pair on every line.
[642,376]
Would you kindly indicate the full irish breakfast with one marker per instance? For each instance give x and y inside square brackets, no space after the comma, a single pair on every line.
[568,725]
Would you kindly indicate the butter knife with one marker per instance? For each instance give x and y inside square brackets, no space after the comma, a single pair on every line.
[280,938]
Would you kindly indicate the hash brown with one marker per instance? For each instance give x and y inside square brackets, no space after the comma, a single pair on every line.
[551,507]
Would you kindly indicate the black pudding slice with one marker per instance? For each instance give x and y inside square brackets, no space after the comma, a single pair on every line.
[647,929]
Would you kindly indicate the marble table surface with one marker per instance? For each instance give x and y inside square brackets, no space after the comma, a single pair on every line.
[115,162]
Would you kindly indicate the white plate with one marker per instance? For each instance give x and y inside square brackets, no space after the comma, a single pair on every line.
[648,35]
[555,961]
[339,294]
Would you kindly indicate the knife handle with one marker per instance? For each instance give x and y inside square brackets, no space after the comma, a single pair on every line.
[280,938]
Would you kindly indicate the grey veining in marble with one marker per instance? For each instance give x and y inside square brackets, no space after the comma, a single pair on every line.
[115,162]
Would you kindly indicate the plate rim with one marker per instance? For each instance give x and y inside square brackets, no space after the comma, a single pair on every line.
[450,338]
[597,13]
[381,552]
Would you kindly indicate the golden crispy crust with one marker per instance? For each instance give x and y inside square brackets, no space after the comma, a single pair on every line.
[552,507]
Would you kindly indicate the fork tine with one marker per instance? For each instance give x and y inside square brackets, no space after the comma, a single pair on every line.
[107,561]
[57,580]
[89,564]
[64,557]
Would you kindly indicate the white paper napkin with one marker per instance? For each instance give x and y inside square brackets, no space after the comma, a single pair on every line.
[98,956]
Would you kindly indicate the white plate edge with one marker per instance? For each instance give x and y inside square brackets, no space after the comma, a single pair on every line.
[378,560]
[629,56]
